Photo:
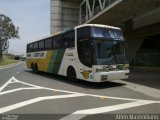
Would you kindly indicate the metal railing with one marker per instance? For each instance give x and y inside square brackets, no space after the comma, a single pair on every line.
[90,8]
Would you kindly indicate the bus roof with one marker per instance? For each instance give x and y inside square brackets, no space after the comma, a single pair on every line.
[84,25]
[98,25]
[45,37]
[54,34]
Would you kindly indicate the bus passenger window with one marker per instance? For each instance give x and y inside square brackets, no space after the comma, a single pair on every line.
[41,45]
[48,43]
[68,39]
[35,46]
[58,42]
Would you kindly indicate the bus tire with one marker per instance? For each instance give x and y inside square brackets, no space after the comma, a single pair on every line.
[36,68]
[32,67]
[71,74]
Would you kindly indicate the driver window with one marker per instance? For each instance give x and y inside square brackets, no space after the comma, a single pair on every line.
[85,53]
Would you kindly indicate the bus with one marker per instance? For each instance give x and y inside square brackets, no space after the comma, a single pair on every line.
[90,52]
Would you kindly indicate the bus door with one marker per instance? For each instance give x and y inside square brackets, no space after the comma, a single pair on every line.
[86,55]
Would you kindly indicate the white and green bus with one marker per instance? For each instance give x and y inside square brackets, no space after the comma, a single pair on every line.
[89,52]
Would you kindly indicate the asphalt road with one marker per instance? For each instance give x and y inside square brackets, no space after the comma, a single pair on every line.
[149,79]
[25,95]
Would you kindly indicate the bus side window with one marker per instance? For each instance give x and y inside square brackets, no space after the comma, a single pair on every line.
[41,45]
[84,46]
[58,42]
[69,39]
[48,43]
[30,47]
[28,50]
[35,46]
[83,33]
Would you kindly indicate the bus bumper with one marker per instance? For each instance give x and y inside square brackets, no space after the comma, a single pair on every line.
[110,76]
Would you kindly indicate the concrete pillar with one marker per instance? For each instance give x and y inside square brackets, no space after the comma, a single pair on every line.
[64,15]
[56,16]
[133,47]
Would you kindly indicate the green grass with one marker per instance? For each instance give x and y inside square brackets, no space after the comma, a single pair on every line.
[7,61]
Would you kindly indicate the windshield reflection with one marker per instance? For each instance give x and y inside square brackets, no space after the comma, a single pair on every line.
[110,52]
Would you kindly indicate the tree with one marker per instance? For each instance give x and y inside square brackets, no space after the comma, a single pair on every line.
[7,32]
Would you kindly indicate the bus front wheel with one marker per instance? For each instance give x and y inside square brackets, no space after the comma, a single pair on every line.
[71,74]
[34,68]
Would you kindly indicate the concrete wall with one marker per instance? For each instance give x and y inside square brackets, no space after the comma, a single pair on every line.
[143,25]
[133,47]
[146,19]
[64,15]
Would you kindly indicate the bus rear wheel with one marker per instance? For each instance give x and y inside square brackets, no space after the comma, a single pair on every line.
[34,68]
[71,74]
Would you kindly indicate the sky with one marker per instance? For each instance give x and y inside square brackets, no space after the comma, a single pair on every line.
[31,16]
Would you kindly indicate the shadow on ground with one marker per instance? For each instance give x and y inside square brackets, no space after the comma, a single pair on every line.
[77,82]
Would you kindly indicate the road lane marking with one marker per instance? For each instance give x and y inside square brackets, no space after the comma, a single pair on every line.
[83,113]
[134,103]
[12,65]
[35,100]
[13,80]
[18,89]
[26,83]
[101,96]
[142,89]
[92,95]
[8,82]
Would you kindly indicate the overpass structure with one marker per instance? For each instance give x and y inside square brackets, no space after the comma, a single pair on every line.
[139,20]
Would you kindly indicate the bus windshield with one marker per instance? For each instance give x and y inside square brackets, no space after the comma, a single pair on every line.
[109,46]
[101,46]
[106,33]
[108,52]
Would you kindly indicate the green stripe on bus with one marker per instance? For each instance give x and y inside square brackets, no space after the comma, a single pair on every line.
[52,61]
[56,59]
[59,57]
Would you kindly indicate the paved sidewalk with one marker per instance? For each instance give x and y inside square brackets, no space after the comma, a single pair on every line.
[149,79]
